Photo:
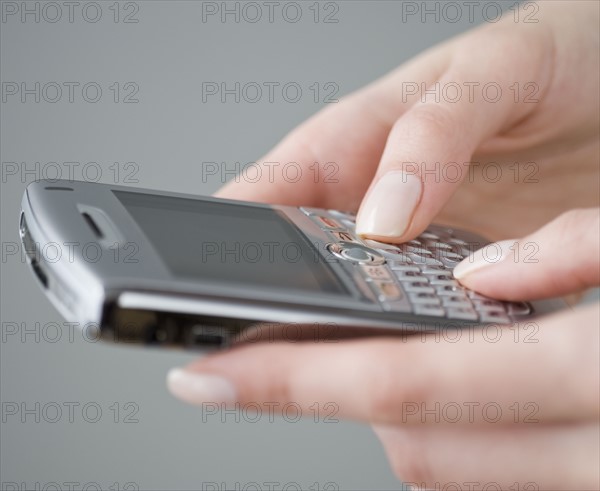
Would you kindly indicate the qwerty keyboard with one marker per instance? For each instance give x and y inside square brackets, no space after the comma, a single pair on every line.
[419,270]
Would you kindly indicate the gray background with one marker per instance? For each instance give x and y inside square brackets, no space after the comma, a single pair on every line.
[168,53]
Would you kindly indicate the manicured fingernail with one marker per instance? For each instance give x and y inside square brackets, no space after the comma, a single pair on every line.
[484,257]
[198,388]
[389,206]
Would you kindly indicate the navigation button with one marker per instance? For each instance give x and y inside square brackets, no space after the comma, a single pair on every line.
[350,251]
[356,254]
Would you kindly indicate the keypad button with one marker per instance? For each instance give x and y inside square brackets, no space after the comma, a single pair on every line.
[476,296]
[493,317]
[449,263]
[409,275]
[464,251]
[415,288]
[388,250]
[518,308]
[386,290]
[462,314]
[432,310]
[376,272]
[426,261]
[455,240]
[409,249]
[443,233]
[404,278]
[490,311]
[399,266]
[424,298]
[439,271]
[456,301]
[375,244]
[439,280]
[435,247]
[488,305]
[450,255]
[395,256]
[416,283]
[429,235]
[448,291]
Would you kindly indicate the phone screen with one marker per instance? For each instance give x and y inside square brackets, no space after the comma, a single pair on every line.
[242,244]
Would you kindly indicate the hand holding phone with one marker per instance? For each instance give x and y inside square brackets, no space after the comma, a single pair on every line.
[530,391]
[543,156]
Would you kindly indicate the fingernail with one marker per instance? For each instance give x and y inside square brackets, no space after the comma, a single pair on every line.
[389,206]
[198,388]
[484,257]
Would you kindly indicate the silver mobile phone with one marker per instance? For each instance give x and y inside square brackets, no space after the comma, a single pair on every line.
[167,269]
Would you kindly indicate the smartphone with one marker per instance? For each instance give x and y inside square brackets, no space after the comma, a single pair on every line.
[165,269]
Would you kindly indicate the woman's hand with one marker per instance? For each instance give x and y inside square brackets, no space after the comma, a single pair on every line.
[535,150]
[508,408]
[528,395]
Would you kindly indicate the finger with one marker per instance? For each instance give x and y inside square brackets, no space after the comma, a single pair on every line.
[561,258]
[533,457]
[337,150]
[427,152]
[388,380]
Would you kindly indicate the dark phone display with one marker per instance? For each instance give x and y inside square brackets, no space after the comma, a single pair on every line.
[247,245]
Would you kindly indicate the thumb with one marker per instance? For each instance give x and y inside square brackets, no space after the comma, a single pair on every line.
[562,257]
